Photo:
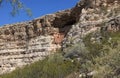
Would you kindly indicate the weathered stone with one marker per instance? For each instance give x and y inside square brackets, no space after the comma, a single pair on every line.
[27,42]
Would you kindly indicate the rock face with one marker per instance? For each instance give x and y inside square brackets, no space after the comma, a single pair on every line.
[27,42]
[94,16]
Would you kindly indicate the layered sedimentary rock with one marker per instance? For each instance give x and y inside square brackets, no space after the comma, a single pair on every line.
[24,43]
[27,42]
[95,15]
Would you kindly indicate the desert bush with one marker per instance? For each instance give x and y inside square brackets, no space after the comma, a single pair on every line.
[53,66]
[105,59]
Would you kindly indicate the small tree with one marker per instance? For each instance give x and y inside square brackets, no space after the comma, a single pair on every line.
[17,5]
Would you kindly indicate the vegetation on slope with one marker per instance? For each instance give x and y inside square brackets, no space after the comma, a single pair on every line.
[100,52]
[101,58]
[51,67]
[104,56]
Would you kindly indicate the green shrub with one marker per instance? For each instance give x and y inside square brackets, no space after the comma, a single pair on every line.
[105,58]
[51,67]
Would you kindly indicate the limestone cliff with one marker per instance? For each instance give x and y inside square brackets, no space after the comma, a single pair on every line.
[27,42]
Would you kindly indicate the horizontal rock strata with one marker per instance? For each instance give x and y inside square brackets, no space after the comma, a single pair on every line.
[27,42]
[24,43]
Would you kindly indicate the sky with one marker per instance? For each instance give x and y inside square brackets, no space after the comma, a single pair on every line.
[38,8]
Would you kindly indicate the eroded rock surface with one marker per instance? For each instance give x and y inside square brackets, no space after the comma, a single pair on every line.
[24,43]
[27,42]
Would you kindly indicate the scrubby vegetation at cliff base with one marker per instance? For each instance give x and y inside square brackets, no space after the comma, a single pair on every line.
[100,53]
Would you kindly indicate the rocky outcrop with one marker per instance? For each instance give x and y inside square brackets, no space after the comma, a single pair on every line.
[93,15]
[27,42]
[24,43]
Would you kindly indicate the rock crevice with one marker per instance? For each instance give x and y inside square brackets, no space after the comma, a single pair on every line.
[27,42]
